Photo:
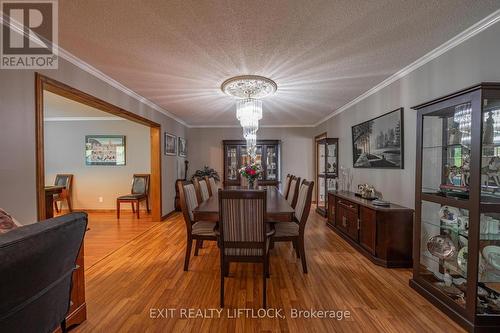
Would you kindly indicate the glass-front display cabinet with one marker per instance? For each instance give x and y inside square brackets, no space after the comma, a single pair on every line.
[327,161]
[268,156]
[457,207]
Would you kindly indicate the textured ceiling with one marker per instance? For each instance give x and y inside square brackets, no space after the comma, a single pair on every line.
[322,54]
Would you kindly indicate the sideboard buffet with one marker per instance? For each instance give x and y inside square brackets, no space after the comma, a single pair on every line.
[383,234]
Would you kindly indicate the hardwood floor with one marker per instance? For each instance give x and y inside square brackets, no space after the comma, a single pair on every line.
[147,273]
[106,234]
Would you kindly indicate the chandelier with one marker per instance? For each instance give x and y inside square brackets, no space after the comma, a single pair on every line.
[249,89]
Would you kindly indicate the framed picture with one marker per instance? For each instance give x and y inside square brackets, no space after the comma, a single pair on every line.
[105,150]
[169,144]
[378,143]
[182,147]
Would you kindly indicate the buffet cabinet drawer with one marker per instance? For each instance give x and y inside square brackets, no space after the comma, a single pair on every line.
[347,220]
[351,206]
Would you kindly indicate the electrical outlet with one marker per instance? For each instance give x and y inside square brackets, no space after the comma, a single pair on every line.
[101,199]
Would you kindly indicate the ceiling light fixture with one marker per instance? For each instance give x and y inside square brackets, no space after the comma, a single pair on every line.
[249,89]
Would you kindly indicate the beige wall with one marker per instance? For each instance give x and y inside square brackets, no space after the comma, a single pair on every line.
[17,134]
[474,61]
[205,148]
[64,153]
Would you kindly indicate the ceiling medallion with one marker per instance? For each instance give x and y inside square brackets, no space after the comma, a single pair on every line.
[249,86]
[249,89]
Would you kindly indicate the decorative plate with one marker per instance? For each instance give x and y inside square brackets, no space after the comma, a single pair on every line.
[492,255]
[449,214]
[441,246]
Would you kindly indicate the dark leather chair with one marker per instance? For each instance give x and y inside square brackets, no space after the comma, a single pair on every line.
[139,192]
[65,180]
[36,264]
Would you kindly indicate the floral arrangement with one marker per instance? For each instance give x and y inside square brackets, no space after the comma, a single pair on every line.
[251,172]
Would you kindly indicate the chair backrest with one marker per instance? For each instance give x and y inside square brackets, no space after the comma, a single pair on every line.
[242,222]
[212,185]
[293,191]
[140,185]
[65,180]
[205,194]
[197,188]
[37,262]
[286,185]
[303,205]
[188,202]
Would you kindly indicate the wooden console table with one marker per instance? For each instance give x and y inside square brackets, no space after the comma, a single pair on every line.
[383,234]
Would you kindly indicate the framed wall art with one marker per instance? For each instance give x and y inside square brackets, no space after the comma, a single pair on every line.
[105,150]
[170,144]
[378,143]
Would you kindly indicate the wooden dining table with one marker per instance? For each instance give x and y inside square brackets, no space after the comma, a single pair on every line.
[277,208]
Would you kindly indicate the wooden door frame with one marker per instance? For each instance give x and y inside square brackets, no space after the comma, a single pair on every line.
[43,83]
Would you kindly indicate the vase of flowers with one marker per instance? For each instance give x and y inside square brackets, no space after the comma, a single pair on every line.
[251,172]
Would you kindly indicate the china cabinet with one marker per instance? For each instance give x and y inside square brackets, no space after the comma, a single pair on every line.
[268,156]
[457,234]
[327,161]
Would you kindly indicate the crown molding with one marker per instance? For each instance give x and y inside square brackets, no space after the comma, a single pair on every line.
[443,48]
[260,126]
[82,118]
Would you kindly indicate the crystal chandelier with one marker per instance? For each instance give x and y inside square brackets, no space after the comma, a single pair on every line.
[249,89]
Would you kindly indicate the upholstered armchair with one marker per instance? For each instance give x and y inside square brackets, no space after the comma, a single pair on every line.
[139,193]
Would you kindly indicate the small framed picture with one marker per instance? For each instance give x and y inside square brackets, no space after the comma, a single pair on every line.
[169,144]
[105,150]
[182,147]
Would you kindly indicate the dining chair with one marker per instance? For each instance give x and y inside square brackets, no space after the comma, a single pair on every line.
[244,235]
[293,191]
[286,185]
[65,180]
[294,231]
[139,192]
[195,230]
[212,186]
[201,188]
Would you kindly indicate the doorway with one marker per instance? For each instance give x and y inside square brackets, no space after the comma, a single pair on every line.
[46,84]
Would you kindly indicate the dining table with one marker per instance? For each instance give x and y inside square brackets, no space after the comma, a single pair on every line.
[277,207]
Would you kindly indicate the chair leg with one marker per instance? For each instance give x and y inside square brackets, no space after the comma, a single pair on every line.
[189,245]
[227,267]
[147,205]
[133,206]
[63,326]
[268,264]
[296,247]
[137,209]
[197,247]
[118,209]
[302,254]
[68,201]
[222,265]
[264,286]
[56,207]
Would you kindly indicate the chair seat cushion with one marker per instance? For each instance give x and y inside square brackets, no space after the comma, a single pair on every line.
[204,228]
[132,197]
[286,229]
